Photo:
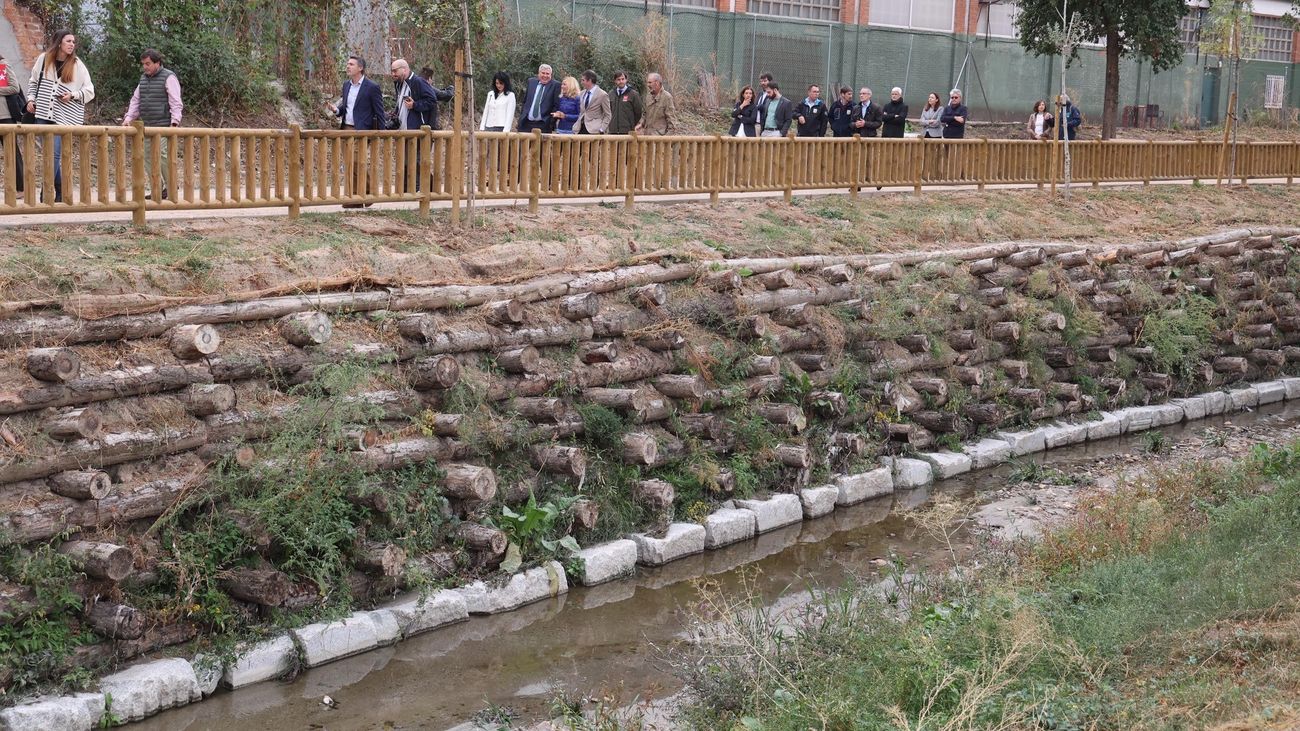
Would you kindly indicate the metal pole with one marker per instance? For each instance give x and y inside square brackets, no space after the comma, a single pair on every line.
[830,42]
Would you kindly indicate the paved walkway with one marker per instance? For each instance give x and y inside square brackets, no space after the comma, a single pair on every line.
[42,219]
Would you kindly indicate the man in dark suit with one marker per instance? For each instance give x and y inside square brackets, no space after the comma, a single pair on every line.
[361,104]
[416,107]
[540,100]
[867,115]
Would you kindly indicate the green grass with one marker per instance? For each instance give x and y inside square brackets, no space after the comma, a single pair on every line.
[1122,641]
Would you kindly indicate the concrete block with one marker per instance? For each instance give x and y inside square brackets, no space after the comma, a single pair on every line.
[207,671]
[329,641]
[726,526]
[1108,426]
[947,464]
[1243,398]
[77,712]
[1193,408]
[1292,387]
[988,453]
[1137,418]
[436,610]
[1216,402]
[774,512]
[1270,392]
[266,660]
[143,690]
[1167,414]
[1062,435]
[910,473]
[533,585]
[864,486]
[605,562]
[1024,442]
[681,540]
[819,501]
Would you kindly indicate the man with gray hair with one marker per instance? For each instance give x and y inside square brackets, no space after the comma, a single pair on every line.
[657,119]
[894,115]
[954,117]
[541,100]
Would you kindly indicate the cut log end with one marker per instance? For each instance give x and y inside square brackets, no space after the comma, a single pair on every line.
[306,328]
[191,342]
[55,365]
[81,484]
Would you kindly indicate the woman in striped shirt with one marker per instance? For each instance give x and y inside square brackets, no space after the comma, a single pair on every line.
[60,86]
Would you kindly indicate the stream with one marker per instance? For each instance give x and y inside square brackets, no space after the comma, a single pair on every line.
[601,640]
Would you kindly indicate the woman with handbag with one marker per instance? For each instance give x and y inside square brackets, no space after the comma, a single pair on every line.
[61,87]
[12,111]
[744,116]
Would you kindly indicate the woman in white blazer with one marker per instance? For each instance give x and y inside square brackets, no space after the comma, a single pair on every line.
[499,109]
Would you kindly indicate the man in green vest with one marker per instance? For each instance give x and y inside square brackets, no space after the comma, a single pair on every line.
[157,103]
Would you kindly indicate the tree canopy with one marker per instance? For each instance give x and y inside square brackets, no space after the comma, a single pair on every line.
[1147,30]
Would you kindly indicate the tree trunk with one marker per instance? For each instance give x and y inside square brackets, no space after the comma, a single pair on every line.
[683,387]
[482,539]
[656,495]
[116,621]
[81,484]
[1110,108]
[580,306]
[783,414]
[469,482]
[593,353]
[567,461]
[523,359]
[206,399]
[306,328]
[101,560]
[267,587]
[640,449]
[55,365]
[385,559]
[76,424]
[192,342]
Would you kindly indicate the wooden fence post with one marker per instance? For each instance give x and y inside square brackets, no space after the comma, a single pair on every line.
[295,170]
[715,167]
[137,174]
[984,162]
[11,171]
[855,164]
[789,167]
[1096,163]
[1290,169]
[920,166]
[535,172]
[633,165]
[1053,148]
[425,181]
[1148,162]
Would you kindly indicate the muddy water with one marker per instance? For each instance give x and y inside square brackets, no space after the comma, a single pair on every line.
[600,638]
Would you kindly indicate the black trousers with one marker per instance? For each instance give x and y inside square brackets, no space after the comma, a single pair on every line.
[18,156]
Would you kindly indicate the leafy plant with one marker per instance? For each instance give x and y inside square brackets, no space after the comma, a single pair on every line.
[533,530]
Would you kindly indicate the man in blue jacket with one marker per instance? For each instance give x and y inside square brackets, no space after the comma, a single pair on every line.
[1072,118]
[541,99]
[416,106]
[361,104]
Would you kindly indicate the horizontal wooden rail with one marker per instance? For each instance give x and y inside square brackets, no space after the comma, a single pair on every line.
[139,169]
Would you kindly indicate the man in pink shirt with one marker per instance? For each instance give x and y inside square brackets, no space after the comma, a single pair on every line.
[157,103]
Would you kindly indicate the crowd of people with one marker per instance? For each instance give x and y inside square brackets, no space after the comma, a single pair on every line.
[60,87]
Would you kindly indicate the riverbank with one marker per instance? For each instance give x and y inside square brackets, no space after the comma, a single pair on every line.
[1165,600]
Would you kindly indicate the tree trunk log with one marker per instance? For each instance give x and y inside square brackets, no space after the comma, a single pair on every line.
[539,409]
[566,461]
[81,423]
[101,560]
[763,365]
[634,365]
[586,513]
[649,296]
[81,484]
[779,279]
[917,343]
[306,328]
[969,375]
[725,280]
[192,342]
[1005,332]
[683,387]
[936,387]
[963,339]
[504,312]
[266,587]
[522,359]
[640,448]
[115,621]
[54,365]
[469,482]
[811,361]
[701,426]
[656,495]
[206,399]
[903,398]
[622,399]
[831,404]
[580,306]
[913,435]
[986,414]
[599,353]
[944,422]
[1231,366]
[385,559]
[887,272]
[783,414]
[1026,258]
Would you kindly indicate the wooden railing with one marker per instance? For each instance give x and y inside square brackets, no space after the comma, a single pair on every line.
[117,168]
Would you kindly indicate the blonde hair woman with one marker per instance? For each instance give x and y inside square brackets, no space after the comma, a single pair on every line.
[60,87]
[567,107]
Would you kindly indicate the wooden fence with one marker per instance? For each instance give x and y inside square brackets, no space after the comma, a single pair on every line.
[116,168]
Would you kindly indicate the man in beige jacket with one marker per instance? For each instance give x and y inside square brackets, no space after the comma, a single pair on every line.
[659,112]
[593,107]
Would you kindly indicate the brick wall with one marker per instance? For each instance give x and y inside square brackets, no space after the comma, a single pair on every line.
[28,28]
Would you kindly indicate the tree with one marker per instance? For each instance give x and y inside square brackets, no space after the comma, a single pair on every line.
[1146,30]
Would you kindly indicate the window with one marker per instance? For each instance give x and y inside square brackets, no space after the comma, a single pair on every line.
[1189,29]
[919,14]
[693,4]
[1273,88]
[1274,38]
[1001,20]
[809,9]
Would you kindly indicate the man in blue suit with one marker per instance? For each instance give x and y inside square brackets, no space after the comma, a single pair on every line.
[541,99]
[361,105]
